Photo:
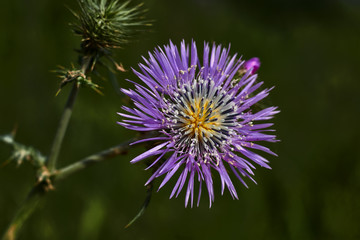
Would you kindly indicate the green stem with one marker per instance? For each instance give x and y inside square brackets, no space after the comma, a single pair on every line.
[114,82]
[28,207]
[86,65]
[35,195]
[64,122]
[39,190]
[90,160]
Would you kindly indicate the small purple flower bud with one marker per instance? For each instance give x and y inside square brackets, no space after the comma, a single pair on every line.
[252,63]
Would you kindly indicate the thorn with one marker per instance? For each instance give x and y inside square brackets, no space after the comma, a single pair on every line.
[57,93]
[119,67]
[13,132]
[98,91]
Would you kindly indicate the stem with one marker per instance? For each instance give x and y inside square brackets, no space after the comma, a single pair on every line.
[90,160]
[64,122]
[39,190]
[65,118]
[24,211]
[35,195]
[114,82]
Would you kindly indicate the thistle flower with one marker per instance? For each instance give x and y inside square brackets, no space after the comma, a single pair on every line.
[202,115]
[106,24]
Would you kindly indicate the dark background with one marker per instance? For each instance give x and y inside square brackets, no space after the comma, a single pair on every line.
[309,50]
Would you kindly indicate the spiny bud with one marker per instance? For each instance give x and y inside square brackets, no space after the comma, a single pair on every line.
[107,24]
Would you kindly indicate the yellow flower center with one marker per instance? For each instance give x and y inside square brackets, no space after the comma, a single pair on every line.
[202,116]
[202,119]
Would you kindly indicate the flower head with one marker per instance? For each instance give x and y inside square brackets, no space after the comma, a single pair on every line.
[202,116]
[252,64]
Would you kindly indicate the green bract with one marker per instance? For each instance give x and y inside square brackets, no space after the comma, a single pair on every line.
[107,24]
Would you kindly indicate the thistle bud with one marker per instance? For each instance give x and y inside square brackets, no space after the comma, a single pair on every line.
[252,64]
[106,24]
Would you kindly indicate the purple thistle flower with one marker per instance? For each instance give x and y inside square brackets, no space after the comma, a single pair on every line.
[252,63]
[202,116]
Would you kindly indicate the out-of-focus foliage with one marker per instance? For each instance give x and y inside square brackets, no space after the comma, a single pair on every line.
[308,49]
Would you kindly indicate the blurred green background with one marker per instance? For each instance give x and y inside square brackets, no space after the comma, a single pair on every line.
[309,50]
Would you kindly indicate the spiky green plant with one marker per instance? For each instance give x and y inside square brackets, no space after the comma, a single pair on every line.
[104,25]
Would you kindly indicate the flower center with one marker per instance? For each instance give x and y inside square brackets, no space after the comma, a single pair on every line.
[200,119]
[203,117]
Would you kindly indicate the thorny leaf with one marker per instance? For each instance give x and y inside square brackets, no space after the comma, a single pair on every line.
[69,76]
[23,153]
